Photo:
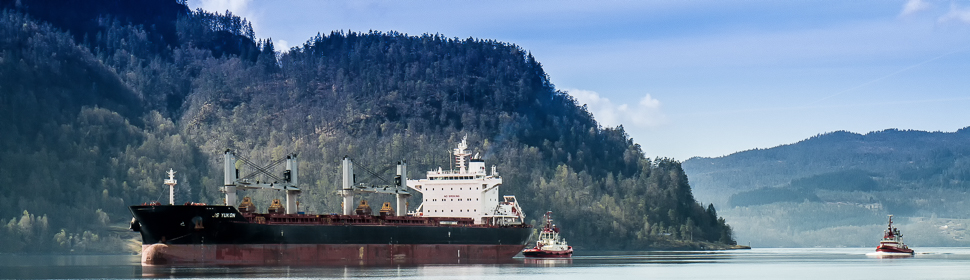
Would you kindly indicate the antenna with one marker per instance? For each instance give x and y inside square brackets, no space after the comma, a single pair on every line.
[171,186]
[461,154]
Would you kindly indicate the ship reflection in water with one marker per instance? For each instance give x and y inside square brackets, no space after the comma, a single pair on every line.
[889,256]
[362,269]
[548,262]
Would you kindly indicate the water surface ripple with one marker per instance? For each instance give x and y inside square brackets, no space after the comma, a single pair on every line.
[774,263]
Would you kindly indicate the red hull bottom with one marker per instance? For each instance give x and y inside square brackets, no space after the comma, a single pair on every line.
[894,250]
[531,253]
[325,254]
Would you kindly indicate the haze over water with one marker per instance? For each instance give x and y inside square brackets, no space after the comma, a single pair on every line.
[775,263]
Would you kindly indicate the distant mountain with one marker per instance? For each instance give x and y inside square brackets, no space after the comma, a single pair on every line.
[896,157]
[98,103]
[907,173]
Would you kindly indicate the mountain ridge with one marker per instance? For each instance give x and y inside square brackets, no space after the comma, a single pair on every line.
[902,146]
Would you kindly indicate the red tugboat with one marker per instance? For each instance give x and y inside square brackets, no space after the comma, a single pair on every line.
[550,244]
[892,243]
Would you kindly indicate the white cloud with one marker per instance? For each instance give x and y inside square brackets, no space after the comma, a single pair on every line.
[238,8]
[956,14]
[914,6]
[645,113]
[281,46]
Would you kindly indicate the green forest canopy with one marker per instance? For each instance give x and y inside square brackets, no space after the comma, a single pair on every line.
[97,114]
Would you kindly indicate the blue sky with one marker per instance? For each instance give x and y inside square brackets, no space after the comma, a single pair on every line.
[698,78]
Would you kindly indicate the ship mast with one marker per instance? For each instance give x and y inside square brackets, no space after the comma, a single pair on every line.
[171,186]
[461,154]
[548,220]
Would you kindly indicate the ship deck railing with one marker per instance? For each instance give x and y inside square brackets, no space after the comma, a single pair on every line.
[335,219]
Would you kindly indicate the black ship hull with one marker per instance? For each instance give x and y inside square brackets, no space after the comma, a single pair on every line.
[222,235]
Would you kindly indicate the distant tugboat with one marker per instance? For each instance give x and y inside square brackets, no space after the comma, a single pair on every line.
[892,243]
[550,244]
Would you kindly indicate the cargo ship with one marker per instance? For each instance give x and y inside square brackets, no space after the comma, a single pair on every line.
[461,219]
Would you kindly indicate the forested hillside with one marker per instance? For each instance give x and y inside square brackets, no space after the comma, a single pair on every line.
[887,159]
[99,104]
[848,178]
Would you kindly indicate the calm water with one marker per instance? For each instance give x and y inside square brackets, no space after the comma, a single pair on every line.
[842,263]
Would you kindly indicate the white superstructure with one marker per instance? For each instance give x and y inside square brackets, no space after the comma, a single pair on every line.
[468,192]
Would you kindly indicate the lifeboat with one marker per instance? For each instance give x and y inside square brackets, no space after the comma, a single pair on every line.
[892,243]
[550,244]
